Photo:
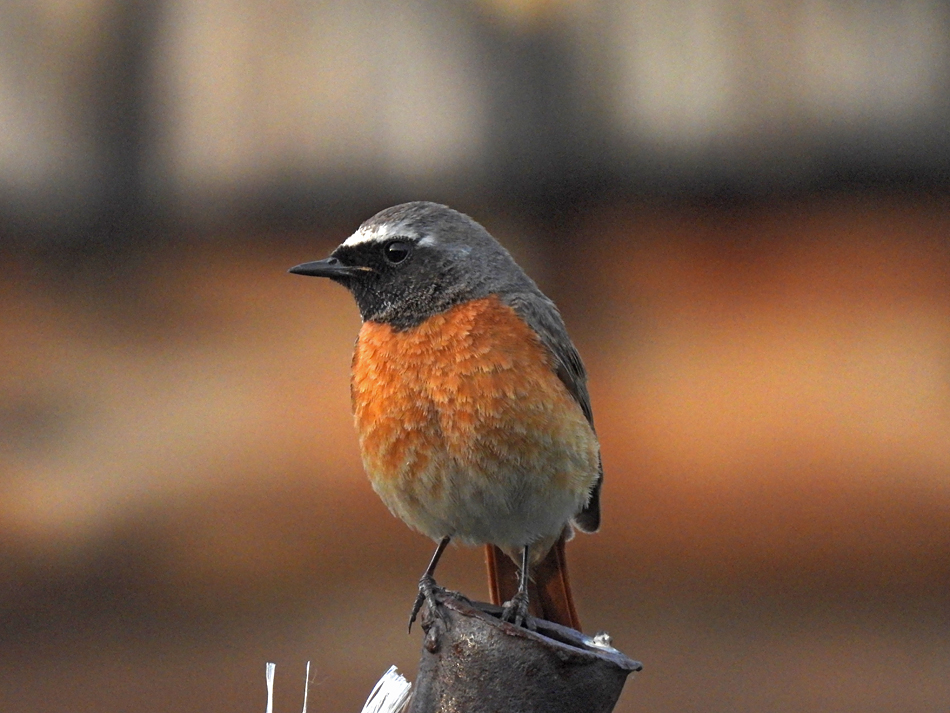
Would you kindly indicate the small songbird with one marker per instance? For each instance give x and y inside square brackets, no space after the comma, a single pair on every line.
[470,402]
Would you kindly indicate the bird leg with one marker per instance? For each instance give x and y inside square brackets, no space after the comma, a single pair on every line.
[427,585]
[516,609]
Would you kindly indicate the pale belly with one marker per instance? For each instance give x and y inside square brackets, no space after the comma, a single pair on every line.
[498,494]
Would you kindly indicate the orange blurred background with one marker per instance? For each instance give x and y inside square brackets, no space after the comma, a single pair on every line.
[751,254]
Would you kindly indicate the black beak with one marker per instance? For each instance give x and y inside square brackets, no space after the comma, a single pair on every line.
[331,267]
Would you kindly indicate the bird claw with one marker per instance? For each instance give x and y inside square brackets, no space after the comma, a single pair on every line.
[427,591]
[515,611]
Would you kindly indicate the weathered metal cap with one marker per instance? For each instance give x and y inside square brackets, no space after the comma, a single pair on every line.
[472,662]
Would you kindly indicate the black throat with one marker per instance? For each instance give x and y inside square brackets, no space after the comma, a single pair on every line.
[406,295]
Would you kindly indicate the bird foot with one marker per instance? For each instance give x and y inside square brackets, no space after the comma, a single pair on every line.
[427,591]
[515,611]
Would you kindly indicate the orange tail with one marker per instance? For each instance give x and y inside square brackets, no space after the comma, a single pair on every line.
[549,590]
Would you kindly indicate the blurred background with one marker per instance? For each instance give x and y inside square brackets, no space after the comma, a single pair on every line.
[740,206]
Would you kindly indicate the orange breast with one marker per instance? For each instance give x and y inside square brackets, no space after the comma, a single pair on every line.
[465,429]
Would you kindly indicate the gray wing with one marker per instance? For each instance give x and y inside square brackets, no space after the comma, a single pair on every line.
[542,315]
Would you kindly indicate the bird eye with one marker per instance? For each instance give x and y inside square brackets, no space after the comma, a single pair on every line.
[397,251]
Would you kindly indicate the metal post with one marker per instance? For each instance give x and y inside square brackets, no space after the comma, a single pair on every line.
[476,663]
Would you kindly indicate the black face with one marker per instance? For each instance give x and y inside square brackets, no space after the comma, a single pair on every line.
[400,282]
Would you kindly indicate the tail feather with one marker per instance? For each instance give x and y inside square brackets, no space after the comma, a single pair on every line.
[549,589]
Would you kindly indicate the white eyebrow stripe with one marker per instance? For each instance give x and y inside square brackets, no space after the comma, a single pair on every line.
[363,235]
[381,233]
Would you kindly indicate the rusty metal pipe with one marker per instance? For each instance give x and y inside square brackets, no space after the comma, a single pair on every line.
[472,662]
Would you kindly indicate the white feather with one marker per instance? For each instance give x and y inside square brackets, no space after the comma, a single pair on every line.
[390,695]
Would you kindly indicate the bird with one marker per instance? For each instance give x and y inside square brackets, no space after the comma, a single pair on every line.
[470,403]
